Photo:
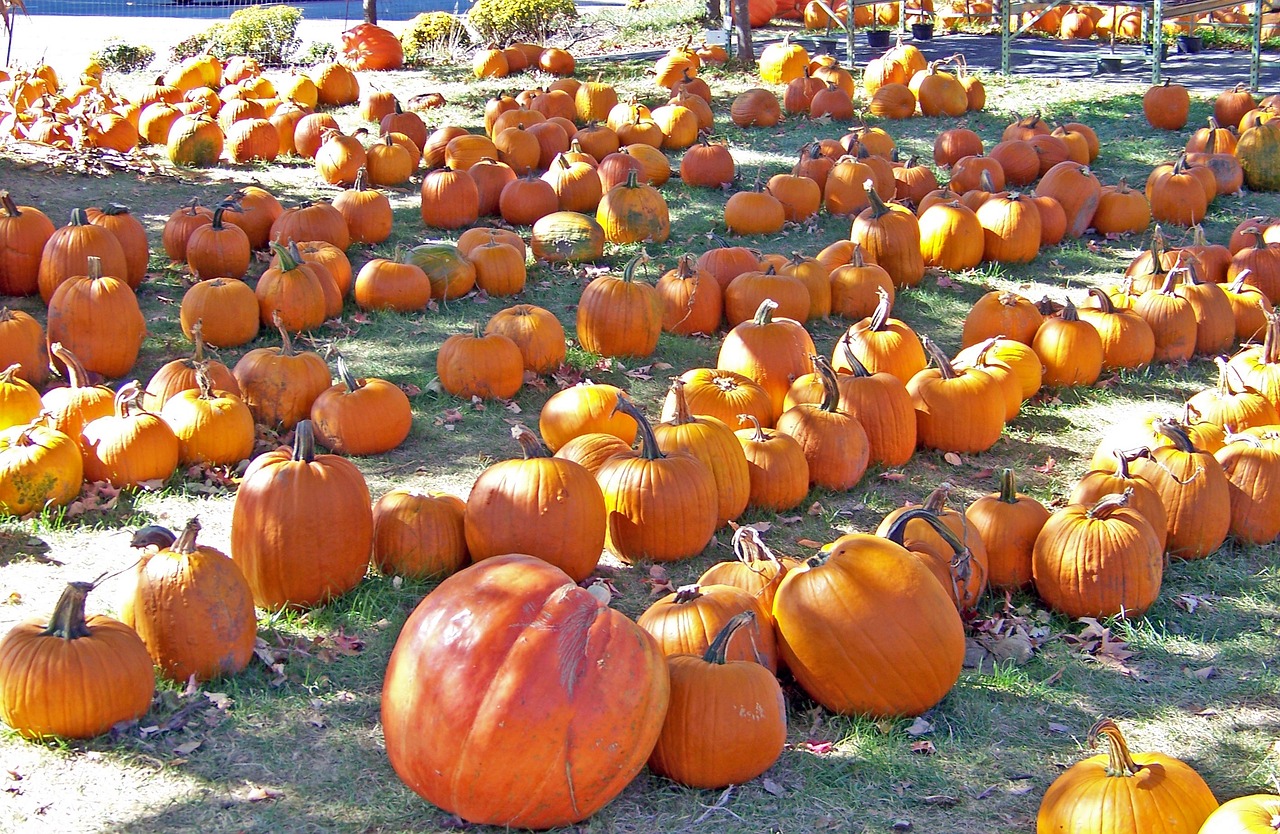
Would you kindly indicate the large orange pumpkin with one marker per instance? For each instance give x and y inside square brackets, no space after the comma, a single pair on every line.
[540,717]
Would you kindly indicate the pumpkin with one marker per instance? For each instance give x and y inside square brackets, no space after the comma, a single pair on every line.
[543,506]
[67,251]
[1070,349]
[72,676]
[22,343]
[620,316]
[940,394]
[713,442]
[212,427]
[1100,482]
[371,47]
[219,249]
[1253,814]
[584,409]
[770,352]
[1194,490]
[279,384]
[631,212]
[834,442]
[479,365]
[756,107]
[19,400]
[687,620]
[193,610]
[904,663]
[288,558]
[40,467]
[1252,467]
[726,723]
[882,344]
[360,415]
[677,487]
[1257,152]
[417,535]
[97,316]
[181,375]
[195,140]
[890,236]
[951,237]
[1001,313]
[536,332]
[24,231]
[1172,320]
[1127,340]
[367,212]
[1151,792]
[590,716]
[1008,523]
[1259,365]
[130,446]
[291,293]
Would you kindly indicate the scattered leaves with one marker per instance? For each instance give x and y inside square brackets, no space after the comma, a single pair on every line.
[1046,467]
[659,581]
[953,459]
[260,794]
[924,747]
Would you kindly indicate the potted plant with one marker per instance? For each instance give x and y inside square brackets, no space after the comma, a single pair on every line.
[922,27]
[878,35]
[1189,43]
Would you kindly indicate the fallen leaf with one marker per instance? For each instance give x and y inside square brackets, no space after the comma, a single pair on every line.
[188,748]
[1047,466]
[815,509]
[773,787]
[1204,674]
[789,519]
[892,476]
[941,800]
[809,543]
[921,726]
[263,794]
[512,406]
[818,748]
[953,459]
[924,747]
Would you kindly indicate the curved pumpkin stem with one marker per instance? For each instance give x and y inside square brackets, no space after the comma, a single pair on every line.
[8,205]
[717,652]
[878,206]
[856,367]
[648,443]
[759,436]
[683,415]
[749,548]
[1176,435]
[286,344]
[961,565]
[1109,503]
[1105,304]
[940,359]
[344,373]
[1119,760]
[77,376]
[530,444]
[764,313]
[884,307]
[830,388]
[289,256]
[1008,487]
[67,620]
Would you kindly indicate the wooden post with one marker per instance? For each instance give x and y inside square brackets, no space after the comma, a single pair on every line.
[742,22]
[713,12]
[371,11]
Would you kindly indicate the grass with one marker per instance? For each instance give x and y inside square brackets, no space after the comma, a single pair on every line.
[299,748]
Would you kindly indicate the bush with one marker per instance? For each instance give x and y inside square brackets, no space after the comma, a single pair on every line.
[430,33]
[267,33]
[119,56]
[317,52]
[189,47]
[504,21]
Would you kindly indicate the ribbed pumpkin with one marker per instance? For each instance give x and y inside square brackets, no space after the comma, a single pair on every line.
[770,352]
[580,724]
[712,442]
[585,408]
[862,660]
[677,487]
[68,249]
[1127,340]
[212,427]
[98,318]
[890,236]
[130,446]
[1172,320]
[192,608]
[291,292]
[219,250]
[1252,468]
[1100,482]
[726,723]
[24,231]
[361,415]
[1001,313]
[72,676]
[1008,523]
[1152,792]
[687,621]
[956,410]
[620,316]
[417,535]
[543,506]
[22,343]
[834,442]
[1194,490]
[631,212]
[479,365]
[882,344]
[279,384]
[1070,349]
[951,237]
[302,525]
[536,332]
[129,231]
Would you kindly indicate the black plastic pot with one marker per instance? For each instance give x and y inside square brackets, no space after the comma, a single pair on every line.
[879,38]
[1190,44]
[922,31]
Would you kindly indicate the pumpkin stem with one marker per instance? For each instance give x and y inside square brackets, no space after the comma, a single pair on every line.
[77,376]
[940,359]
[878,207]
[759,436]
[1176,435]
[95,267]
[961,565]
[648,443]
[1104,301]
[629,271]
[362,175]
[10,207]
[1008,488]
[830,388]
[1111,502]
[687,593]
[185,544]
[344,372]
[79,217]
[288,261]
[286,344]
[204,382]
[855,364]
[718,650]
[749,547]
[884,307]
[304,442]
[682,416]
[67,620]
[764,313]
[530,444]
[1119,760]
[1069,311]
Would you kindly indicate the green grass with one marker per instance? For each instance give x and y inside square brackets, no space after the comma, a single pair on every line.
[999,737]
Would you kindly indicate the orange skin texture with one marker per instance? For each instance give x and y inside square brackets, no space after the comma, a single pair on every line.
[515,698]
[1166,797]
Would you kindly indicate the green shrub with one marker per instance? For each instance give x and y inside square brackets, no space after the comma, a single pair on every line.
[504,21]
[431,33]
[119,56]
[189,47]
[267,33]
[317,52]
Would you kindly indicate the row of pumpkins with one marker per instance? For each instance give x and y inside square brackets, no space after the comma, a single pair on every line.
[697,502]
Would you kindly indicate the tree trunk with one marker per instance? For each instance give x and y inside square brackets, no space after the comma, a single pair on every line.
[742,22]
[714,14]
[371,11]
